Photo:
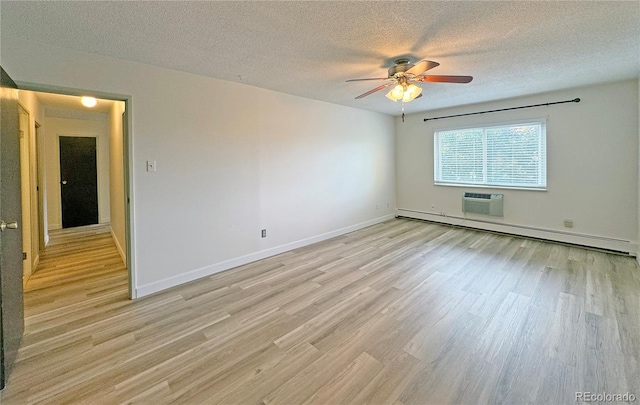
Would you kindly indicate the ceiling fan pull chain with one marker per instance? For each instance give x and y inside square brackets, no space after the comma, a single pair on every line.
[403,111]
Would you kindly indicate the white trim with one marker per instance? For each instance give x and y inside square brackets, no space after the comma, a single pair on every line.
[36,261]
[492,124]
[600,242]
[117,243]
[468,185]
[166,283]
[129,195]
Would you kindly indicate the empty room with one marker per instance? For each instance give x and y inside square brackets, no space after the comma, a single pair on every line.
[340,202]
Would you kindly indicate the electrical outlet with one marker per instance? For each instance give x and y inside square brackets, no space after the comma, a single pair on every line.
[151,165]
[263,233]
[568,223]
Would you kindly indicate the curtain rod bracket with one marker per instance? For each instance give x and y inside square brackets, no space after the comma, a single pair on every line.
[575,100]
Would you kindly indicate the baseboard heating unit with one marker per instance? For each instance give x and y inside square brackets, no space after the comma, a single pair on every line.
[603,243]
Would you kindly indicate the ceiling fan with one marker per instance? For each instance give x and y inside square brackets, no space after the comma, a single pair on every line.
[404,75]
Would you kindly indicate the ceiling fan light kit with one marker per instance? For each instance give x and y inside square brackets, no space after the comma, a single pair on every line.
[403,75]
[405,92]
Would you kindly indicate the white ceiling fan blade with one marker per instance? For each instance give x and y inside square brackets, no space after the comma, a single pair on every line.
[374,90]
[373,78]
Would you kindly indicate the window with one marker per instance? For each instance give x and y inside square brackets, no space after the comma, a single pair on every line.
[513,155]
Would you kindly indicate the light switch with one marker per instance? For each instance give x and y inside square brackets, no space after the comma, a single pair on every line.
[151,165]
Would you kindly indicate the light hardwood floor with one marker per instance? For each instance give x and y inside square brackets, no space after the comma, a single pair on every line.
[403,312]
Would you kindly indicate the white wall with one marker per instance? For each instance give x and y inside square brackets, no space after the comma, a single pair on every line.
[231,160]
[592,155]
[116,178]
[90,125]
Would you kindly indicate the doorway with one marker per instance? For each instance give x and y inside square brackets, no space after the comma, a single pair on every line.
[78,181]
[71,139]
[24,105]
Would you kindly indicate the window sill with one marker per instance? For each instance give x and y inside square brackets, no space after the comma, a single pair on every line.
[493,187]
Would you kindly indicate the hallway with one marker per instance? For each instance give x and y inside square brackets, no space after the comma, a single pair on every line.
[80,278]
[81,261]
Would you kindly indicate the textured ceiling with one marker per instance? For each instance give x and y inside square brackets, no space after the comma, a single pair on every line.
[309,49]
[59,101]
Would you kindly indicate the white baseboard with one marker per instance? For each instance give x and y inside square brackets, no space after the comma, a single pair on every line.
[35,263]
[34,266]
[118,246]
[600,242]
[169,282]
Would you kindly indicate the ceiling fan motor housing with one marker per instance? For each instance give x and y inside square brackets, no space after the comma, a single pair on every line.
[401,66]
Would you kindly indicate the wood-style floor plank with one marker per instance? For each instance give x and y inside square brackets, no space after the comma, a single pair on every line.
[403,312]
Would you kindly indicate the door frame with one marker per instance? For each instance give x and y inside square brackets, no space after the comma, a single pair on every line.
[32,225]
[28,264]
[39,164]
[127,161]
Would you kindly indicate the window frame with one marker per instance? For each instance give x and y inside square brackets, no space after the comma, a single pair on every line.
[542,147]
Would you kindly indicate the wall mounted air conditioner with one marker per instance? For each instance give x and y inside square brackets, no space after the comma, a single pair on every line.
[484,204]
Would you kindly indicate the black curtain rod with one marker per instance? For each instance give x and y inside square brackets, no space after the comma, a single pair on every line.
[575,100]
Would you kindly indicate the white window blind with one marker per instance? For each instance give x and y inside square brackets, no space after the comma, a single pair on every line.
[511,155]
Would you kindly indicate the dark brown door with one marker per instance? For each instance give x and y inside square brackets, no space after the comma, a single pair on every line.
[78,181]
[11,304]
